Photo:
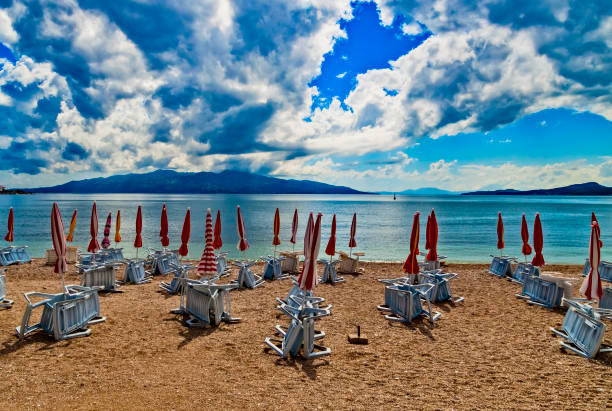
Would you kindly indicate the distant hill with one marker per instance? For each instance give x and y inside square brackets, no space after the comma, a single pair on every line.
[173,182]
[424,191]
[585,189]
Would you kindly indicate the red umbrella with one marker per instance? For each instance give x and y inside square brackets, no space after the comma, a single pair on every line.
[594,220]
[185,234]
[93,230]
[428,232]
[72,226]
[276,240]
[538,242]
[208,266]
[526,250]
[243,245]
[9,236]
[294,228]
[432,255]
[58,238]
[107,228]
[411,265]
[352,242]
[217,242]
[500,232]
[330,250]
[591,286]
[163,232]
[312,241]
[138,239]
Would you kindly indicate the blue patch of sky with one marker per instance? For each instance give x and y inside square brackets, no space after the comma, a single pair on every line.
[368,45]
[6,53]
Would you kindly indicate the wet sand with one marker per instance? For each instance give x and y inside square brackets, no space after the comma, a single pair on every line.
[492,351]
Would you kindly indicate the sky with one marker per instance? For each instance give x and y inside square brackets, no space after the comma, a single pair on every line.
[379,96]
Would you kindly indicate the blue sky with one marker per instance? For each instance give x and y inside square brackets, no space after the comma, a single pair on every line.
[385,95]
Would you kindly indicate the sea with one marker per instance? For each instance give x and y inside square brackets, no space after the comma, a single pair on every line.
[467,224]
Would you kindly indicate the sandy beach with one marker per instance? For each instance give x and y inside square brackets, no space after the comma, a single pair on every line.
[492,351]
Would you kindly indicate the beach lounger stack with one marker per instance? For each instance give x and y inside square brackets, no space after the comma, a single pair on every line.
[14,255]
[299,337]
[206,303]
[543,292]
[605,270]
[404,302]
[501,266]
[180,278]
[135,272]
[428,265]
[290,263]
[163,262]
[4,302]
[522,271]
[65,315]
[582,330]
[101,277]
[90,260]
[349,264]
[330,272]
[273,270]
[441,290]
[246,277]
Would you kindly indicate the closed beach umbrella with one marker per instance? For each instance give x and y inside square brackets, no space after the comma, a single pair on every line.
[107,228]
[500,233]
[58,238]
[538,242]
[308,278]
[10,223]
[411,265]
[186,233]
[208,265]
[294,228]
[432,255]
[72,226]
[428,232]
[243,245]
[330,250]
[118,227]
[352,242]
[591,286]
[594,220]
[93,230]
[526,250]
[217,242]
[276,240]
[138,238]
[163,232]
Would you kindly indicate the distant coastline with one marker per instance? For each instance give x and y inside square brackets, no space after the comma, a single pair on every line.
[15,191]
[585,189]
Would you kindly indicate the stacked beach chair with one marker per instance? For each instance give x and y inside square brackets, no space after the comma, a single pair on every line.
[299,337]
[349,264]
[246,277]
[100,276]
[64,315]
[4,302]
[273,269]
[330,272]
[135,272]
[179,280]
[14,255]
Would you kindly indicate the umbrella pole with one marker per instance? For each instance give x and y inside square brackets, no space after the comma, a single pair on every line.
[350,251]
[274,251]
[63,284]
[137,253]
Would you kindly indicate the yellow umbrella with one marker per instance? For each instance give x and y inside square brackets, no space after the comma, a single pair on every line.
[117,227]
[72,227]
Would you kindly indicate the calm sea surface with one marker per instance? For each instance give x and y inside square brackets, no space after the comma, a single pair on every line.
[467,230]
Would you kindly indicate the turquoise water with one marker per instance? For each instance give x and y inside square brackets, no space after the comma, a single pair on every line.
[466,224]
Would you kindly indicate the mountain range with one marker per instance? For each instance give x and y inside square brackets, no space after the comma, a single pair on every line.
[173,182]
[585,189]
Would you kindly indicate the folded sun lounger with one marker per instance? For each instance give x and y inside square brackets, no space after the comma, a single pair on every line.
[273,269]
[501,266]
[291,261]
[180,277]
[441,290]
[545,292]
[101,277]
[4,302]
[582,330]
[135,272]
[523,270]
[246,278]
[65,315]
[404,302]
[330,272]
[349,265]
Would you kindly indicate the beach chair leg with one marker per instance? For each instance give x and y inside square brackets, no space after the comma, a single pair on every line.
[273,344]
[96,320]
[383,307]
[6,303]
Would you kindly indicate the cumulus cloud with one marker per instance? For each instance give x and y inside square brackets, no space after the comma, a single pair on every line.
[108,87]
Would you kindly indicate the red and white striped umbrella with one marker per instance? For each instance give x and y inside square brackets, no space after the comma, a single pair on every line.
[312,241]
[58,237]
[208,266]
[107,228]
[591,286]
[93,230]
[243,245]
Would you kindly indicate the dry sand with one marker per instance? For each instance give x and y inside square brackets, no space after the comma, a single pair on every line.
[492,351]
